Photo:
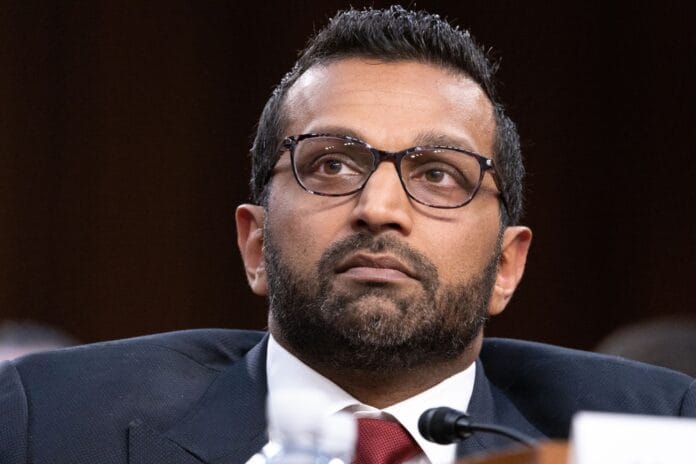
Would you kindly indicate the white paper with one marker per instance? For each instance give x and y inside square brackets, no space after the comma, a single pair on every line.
[603,438]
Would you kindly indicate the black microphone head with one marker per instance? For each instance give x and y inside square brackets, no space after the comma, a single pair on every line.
[439,425]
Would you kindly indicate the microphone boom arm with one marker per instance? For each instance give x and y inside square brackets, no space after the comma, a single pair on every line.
[445,425]
[502,430]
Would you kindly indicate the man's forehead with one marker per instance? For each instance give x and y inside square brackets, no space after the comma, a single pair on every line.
[354,94]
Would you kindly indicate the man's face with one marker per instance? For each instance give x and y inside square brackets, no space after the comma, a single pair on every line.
[376,279]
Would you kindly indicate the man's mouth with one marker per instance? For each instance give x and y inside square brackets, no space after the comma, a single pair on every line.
[373,267]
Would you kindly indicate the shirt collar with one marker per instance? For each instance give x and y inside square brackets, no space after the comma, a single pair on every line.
[286,372]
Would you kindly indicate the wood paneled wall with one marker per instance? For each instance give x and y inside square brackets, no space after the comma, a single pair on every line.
[124,128]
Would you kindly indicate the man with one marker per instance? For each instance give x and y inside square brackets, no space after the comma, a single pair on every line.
[387,186]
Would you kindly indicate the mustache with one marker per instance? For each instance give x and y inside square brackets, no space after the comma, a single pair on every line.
[424,269]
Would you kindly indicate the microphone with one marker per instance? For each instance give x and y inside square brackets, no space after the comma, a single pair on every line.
[445,425]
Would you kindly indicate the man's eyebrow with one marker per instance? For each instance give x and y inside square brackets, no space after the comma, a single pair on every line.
[338,130]
[438,138]
[430,137]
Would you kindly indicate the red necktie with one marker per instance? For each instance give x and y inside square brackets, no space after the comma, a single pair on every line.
[383,442]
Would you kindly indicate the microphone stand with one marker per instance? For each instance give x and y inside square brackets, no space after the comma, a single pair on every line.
[445,425]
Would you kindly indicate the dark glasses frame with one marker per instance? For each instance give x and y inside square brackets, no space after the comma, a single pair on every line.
[378,156]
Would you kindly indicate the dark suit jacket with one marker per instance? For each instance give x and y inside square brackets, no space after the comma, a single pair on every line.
[199,397]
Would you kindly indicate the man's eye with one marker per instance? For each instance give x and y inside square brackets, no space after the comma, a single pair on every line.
[332,166]
[435,175]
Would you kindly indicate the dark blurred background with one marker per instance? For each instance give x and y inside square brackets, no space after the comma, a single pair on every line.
[124,128]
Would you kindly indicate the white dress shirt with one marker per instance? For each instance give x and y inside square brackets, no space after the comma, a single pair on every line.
[286,372]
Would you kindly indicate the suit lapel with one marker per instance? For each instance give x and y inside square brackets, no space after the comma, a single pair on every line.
[490,406]
[227,425]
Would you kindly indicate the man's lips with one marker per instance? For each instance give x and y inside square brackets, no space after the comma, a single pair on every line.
[375,267]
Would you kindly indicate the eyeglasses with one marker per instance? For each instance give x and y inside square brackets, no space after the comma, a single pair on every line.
[435,176]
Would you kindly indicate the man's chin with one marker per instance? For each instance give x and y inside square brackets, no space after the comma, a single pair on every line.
[375,306]
[375,321]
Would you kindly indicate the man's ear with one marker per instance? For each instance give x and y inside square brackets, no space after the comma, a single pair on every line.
[516,241]
[249,220]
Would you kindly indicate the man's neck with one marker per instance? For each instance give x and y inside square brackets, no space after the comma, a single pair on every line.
[381,389]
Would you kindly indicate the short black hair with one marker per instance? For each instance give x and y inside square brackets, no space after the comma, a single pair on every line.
[389,35]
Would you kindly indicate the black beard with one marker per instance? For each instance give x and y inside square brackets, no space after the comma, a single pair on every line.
[342,330]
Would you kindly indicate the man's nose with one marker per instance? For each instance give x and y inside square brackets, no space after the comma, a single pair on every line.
[383,204]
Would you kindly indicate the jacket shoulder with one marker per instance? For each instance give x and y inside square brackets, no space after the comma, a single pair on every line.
[185,356]
[213,348]
[550,384]
[92,392]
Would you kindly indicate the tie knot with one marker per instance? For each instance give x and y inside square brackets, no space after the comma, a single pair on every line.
[384,442]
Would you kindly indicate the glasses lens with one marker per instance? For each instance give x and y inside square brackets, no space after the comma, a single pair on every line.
[331,165]
[441,177]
